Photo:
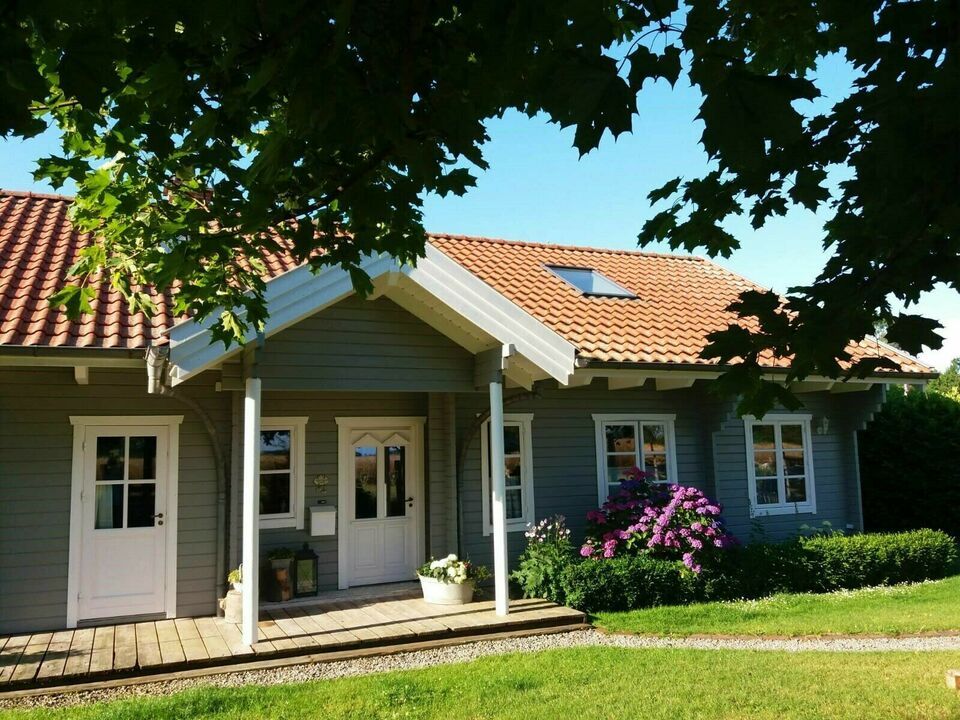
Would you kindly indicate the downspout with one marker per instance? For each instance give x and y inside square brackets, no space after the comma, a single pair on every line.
[158,359]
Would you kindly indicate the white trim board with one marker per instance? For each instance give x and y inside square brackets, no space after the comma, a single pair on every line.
[299,293]
[80,425]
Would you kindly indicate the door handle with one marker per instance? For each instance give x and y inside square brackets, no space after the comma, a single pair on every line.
[159,518]
[409,501]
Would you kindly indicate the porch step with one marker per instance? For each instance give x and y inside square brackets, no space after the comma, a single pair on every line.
[116,679]
[144,652]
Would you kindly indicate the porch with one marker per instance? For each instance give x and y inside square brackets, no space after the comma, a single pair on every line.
[338,623]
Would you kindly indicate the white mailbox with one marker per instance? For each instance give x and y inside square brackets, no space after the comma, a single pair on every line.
[323,520]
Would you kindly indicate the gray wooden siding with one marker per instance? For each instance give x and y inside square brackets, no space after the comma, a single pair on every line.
[711,455]
[565,454]
[366,345]
[441,470]
[322,409]
[36,446]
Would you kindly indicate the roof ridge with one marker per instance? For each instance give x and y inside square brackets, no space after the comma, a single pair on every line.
[558,246]
[38,195]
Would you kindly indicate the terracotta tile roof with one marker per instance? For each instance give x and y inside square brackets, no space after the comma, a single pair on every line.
[679,299]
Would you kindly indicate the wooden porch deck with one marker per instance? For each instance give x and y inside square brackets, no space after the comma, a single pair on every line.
[86,654]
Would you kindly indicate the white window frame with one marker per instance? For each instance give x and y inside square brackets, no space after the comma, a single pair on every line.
[781,508]
[525,422]
[298,431]
[636,419]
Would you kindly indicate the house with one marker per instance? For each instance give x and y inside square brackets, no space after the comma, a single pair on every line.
[139,462]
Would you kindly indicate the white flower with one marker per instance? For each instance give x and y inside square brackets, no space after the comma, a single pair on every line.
[435,565]
[452,572]
[451,557]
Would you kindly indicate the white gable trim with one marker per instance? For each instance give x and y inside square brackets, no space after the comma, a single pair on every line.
[299,293]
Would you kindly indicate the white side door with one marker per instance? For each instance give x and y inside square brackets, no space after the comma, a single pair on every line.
[123,536]
[383,487]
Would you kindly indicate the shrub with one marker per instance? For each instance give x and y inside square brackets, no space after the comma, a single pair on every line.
[627,582]
[880,559]
[909,457]
[542,564]
[674,522]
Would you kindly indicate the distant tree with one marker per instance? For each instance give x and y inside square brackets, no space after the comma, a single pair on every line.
[197,131]
[910,463]
[948,384]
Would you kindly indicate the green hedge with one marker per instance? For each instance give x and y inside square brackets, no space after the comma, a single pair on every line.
[817,564]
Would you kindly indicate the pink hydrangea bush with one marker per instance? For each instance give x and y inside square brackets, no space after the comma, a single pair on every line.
[672,522]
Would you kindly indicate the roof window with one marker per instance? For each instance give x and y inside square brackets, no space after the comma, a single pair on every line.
[590,282]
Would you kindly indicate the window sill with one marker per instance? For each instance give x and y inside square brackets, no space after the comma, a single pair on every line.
[515,526]
[766,510]
[274,523]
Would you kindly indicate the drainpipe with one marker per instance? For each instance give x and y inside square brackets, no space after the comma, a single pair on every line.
[157,384]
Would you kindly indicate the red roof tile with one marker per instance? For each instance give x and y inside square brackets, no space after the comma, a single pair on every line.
[679,299]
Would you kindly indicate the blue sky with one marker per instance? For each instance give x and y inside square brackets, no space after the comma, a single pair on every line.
[537,188]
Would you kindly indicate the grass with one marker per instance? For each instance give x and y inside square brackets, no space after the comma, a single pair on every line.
[597,682]
[902,609]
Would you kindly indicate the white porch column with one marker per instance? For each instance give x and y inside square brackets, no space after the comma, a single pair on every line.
[250,510]
[498,509]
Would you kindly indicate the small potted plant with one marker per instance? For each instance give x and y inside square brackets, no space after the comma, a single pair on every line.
[450,581]
[235,578]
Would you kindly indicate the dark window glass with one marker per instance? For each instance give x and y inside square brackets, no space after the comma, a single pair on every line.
[767,491]
[763,437]
[396,481]
[143,458]
[275,450]
[110,452]
[275,494]
[620,439]
[654,438]
[656,467]
[796,490]
[140,504]
[365,486]
[109,509]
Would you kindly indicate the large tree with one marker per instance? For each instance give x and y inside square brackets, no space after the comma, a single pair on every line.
[199,133]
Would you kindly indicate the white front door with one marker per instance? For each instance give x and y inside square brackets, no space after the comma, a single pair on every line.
[383,489]
[124,521]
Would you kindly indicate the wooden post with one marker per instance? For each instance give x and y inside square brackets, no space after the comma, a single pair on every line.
[498,510]
[251,510]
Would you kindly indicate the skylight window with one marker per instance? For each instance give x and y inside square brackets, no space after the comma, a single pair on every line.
[590,282]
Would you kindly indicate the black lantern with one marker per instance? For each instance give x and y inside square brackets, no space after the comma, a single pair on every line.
[305,567]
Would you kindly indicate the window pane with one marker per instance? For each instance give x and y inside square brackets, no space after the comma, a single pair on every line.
[275,450]
[140,503]
[791,436]
[512,470]
[793,462]
[767,491]
[143,458]
[511,440]
[109,510]
[763,437]
[654,438]
[620,438]
[514,503]
[616,475]
[365,490]
[110,458]
[765,464]
[612,488]
[621,463]
[396,481]
[796,490]
[275,494]
[656,466]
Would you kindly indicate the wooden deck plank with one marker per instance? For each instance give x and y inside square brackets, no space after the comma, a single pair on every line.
[190,640]
[215,646]
[13,649]
[148,645]
[167,631]
[232,637]
[426,625]
[28,665]
[207,627]
[101,659]
[56,656]
[187,629]
[349,622]
[386,628]
[171,652]
[78,657]
[286,622]
[328,635]
[124,647]
[275,635]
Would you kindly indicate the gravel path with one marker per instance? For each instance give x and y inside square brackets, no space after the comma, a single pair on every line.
[463,653]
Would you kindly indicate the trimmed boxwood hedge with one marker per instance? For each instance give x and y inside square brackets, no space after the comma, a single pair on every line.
[815,564]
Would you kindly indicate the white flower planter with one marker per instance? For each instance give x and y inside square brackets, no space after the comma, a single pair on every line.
[441,593]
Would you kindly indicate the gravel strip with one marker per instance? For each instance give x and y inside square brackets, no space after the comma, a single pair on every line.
[471,651]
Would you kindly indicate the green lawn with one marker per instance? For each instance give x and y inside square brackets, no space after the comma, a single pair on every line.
[589,683]
[924,607]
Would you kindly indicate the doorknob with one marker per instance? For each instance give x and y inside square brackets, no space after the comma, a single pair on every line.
[409,501]
[159,518]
